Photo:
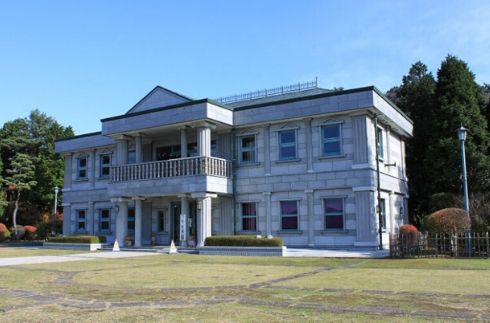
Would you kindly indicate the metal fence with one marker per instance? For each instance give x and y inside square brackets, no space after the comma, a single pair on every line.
[269,92]
[419,244]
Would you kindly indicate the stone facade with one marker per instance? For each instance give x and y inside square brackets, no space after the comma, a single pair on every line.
[301,167]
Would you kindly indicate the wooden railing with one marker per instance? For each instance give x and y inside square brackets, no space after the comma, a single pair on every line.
[172,168]
[419,244]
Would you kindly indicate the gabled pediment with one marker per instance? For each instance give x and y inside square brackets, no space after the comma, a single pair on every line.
[159,97]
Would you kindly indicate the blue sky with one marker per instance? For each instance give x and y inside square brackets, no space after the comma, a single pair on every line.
[80,61]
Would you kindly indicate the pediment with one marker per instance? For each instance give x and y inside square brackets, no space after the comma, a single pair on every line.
[159,97]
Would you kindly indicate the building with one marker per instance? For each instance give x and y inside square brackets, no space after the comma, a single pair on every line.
[297,162]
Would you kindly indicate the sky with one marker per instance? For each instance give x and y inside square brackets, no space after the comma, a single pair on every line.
[81,61]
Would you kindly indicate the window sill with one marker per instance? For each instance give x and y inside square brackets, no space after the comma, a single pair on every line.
[333,231]
[81,179]
[254,164]
[105,232]
[331,157]
[250,233]
[291,232]
[283,161]
[103,178]
[162,233]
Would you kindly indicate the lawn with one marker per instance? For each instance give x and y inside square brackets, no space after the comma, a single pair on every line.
[208,288]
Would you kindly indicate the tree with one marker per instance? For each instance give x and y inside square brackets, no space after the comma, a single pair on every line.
[458,100]
[19,178]
[415,97]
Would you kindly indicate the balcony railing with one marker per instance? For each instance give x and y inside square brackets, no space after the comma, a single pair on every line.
[172,168]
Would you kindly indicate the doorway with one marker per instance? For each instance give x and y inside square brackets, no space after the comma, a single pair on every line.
[191,223]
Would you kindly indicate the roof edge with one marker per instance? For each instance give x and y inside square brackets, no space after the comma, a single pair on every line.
[89,134]
[163,88]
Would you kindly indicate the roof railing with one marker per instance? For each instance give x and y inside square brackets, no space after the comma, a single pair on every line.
[269,92]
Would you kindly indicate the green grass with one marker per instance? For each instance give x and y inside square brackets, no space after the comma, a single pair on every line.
[7,252]
[213,288]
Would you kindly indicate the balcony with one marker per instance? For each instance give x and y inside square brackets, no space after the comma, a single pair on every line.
[191,166]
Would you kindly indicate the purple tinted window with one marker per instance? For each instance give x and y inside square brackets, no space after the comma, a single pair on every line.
[249,224]
[289,207]
[249,217]
[289,215]
[334,213]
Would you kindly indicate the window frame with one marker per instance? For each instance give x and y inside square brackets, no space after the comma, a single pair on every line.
[82,168]
[131,218]
[104,165]
[161,221]
[380,143]
[282,145]
[253,150]
[288,215]
[323,140]
[78,212]
[325,214]
[108,220]
[248,216]
[382,206]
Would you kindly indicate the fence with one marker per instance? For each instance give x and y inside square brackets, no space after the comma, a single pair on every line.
[419,244]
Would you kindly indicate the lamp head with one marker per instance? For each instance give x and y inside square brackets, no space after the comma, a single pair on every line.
[462,133]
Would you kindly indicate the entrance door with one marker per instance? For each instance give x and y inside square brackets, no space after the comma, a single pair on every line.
[175,225]
[191,223]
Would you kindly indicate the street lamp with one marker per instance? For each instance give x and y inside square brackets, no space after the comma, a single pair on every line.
[56,190]
[462,131]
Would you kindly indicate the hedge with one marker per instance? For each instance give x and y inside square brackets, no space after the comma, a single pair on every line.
[78,239]
[243,241]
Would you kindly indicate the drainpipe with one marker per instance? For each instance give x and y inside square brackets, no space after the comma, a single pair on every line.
[380,216]
[233,178]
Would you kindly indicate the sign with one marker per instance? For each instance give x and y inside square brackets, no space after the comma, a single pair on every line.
[183,228]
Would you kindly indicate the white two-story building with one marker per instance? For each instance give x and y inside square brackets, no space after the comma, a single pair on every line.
[296,162]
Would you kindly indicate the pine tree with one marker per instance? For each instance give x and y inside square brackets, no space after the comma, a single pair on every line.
[415,97]
[458,101]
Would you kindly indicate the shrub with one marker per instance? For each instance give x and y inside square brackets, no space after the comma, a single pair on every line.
[4,233]
[408,228]
[243,241]
[30,232]
[44,230]
[78,239]
[19,233]
[450,220]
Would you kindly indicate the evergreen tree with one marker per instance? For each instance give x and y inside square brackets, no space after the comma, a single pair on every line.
[458,101]
[415,97]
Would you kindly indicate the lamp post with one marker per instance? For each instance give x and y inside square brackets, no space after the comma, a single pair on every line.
[56,190]
[462,131]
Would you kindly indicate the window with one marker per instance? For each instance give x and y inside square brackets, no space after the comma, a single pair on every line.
[192,149]
[379,143]
[161,221]
[81,220]
[214,148]
[104,220]
[249,216]
[131,219]
[169,152]
[382,206]
[105,165]
[334,213]
[287,144]
[82,167]
[131,156]
[331,140]
[247,149]
[289,215]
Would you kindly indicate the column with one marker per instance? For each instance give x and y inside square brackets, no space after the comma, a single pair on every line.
[268,221]
[267,150]
[184,214]
[309,146]
[121,220]
[67,218]
[68,170]
[138,220]
[92,168]
[203,217]
[91,218]
[204,141]
[391,200]
[183,142]
[121,152]
[138,145]
[311,218]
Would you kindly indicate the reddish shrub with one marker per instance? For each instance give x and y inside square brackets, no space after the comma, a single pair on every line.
[450,220]
[3,228]
[408,228]
[30,229]
[4,233]
[19,233]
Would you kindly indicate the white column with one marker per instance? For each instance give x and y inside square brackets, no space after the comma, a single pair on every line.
[184,214]
[68,170]
[311,218]
[92,168]
[203,217]
[391,208]
[183,142]
[138,145]
[121,152]
[309,146]
[67,218]
[138,220]
[204,141]
[268,222]
[267,150]
[91,218]
[121,221]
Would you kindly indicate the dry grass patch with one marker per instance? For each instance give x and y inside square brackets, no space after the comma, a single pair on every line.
[8,252]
